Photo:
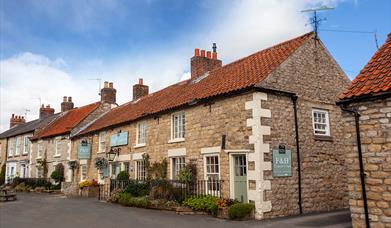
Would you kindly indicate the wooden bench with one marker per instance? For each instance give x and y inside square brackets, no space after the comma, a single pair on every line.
[7,195]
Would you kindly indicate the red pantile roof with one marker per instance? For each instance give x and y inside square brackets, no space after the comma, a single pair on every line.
[67,122]
[375,77]
[241,74]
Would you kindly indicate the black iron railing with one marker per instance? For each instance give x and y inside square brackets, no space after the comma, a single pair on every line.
[195,188]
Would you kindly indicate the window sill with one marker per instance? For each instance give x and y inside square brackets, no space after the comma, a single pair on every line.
[24,154]
[176,140]
[57,156]
[323,138]
[38,158]
[139,145]
[101,152]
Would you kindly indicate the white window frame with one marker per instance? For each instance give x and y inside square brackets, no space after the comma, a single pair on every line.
[138,176]
[102,142]
[141,134]
[177,167]
[39,150]
[11,147]
[83,176]
[17,146]
[207,174]
[26,147]
[178,130]
[315,122]
[57,145]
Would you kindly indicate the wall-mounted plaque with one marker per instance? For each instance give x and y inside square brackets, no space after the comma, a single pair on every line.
[119,139]
[282,163]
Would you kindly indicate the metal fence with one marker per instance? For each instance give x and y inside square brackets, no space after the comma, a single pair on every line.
[195,188]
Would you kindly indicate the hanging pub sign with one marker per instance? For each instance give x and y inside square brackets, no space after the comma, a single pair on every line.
[119,139]
[282,162]
[84,150]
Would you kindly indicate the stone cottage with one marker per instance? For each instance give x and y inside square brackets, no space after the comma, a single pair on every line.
[53,145]
[266,125]
[367,116]
[16,145]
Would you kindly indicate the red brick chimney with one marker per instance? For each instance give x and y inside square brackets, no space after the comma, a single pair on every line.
[66,104]
[108,93]
[45,111]
[201,63]
[16,120]
[140,90]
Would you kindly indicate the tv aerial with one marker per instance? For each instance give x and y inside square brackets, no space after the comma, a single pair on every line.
[99,80]
[315,20]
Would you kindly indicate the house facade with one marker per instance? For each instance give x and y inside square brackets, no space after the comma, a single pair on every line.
[367,116]
[16,144]
[266,126]
[52,145]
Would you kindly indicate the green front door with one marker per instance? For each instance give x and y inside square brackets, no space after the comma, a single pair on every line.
[240,177]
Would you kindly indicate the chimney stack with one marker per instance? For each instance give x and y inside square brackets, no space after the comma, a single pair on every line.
[202,63]
[45,111]
[140,90]
[16,120]
[66,104]
[108,93]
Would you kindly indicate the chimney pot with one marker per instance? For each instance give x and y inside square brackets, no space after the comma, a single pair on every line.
[208,54]
[202,53]
[202,64]
[64,99]
[67,104]
[46,111]
[197,52]
[108,93]
[13,115]
[214,55]
[140,90]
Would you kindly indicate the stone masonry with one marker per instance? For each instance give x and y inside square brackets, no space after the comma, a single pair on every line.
[375,129]
[256,123]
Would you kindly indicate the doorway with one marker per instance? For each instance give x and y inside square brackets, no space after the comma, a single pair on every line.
[240,177]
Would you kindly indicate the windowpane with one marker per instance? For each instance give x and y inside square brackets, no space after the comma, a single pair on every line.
[320,122]
[102,141]
[140,166]
[178,163]
[178,125]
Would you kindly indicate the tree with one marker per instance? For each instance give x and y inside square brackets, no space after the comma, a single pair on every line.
[58,173]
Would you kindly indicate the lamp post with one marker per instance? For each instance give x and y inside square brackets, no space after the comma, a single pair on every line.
[112,154]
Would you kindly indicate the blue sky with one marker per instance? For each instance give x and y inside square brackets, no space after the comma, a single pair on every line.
[59,45]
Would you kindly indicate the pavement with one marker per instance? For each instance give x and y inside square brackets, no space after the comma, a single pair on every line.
[55,211]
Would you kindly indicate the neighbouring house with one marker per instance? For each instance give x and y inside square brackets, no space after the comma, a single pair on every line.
[265,128]
[52,145]
[16,145]
[367,116]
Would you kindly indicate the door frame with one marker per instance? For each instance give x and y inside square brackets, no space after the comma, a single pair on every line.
[232,153]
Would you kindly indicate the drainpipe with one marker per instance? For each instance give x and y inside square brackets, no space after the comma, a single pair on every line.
[294,101]
[362,173]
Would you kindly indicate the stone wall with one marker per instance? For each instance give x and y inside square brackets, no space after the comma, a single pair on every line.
[375,132]
[52,156]
[22,157]
[255,123]
[3,151]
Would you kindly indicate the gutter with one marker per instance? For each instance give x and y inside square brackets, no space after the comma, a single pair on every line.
[294,98]
[362,173]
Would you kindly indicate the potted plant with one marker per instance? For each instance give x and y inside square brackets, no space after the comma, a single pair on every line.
[89,188]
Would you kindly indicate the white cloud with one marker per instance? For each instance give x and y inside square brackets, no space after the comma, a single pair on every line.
[27,77]
[238,27]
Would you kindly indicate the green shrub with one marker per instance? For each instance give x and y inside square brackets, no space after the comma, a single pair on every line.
[201,203]
[137,188]
[57,176]
[128,200]
[55,187]
[123,176]
[240,210]
[2,174]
